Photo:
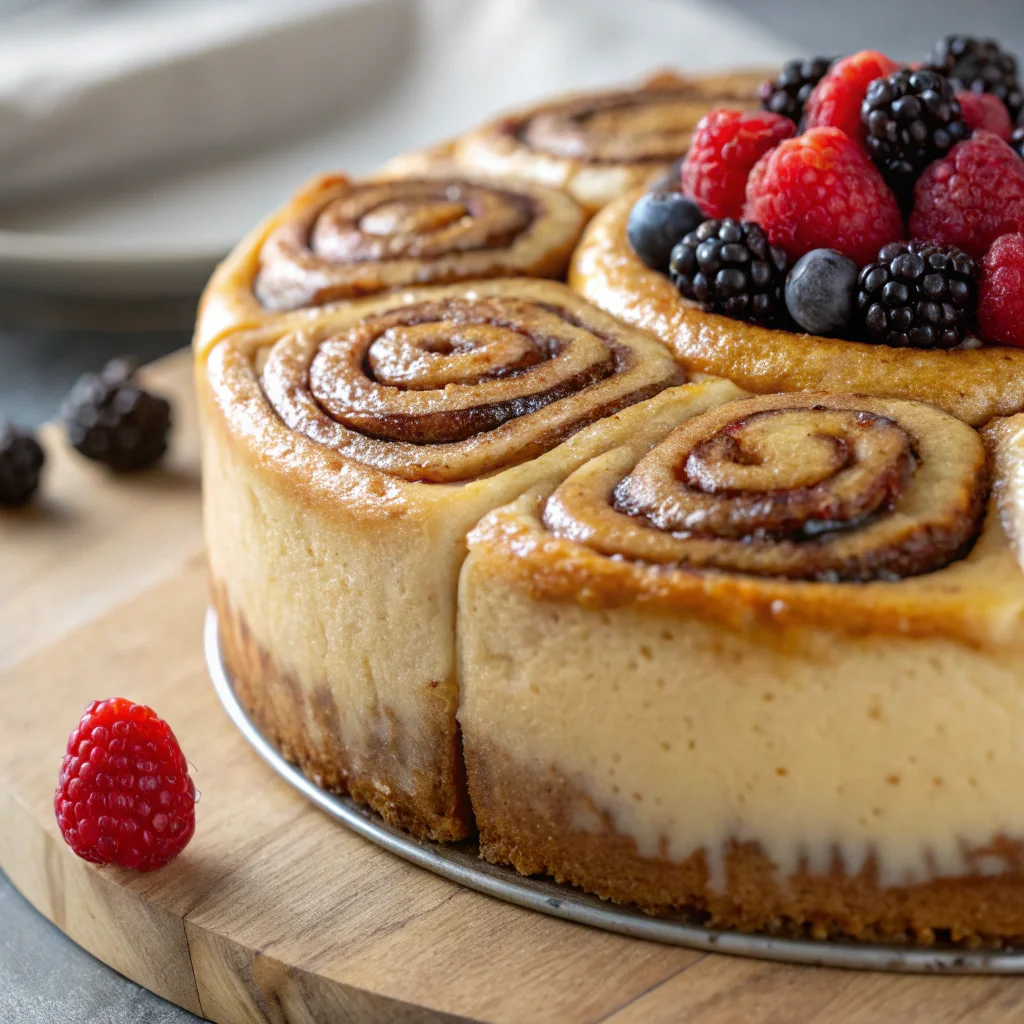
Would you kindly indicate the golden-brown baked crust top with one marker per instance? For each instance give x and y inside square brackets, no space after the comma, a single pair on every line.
[596,145]
[339,239]
[974,384]
[977,599]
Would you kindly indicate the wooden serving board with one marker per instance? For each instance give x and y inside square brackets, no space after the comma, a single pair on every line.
[275,912]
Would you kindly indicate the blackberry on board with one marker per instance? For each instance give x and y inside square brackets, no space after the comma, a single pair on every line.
[918,295]
[729,267]
[111,419]
[797,79]
[979,65]
[911,118]
[21,462]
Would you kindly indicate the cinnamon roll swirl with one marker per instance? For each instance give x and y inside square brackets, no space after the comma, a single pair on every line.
[972,382]
[340,239]
[346,456]
[762,663]
[598,145]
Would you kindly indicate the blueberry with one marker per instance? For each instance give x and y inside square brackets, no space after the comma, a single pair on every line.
[657,221]
[820,291]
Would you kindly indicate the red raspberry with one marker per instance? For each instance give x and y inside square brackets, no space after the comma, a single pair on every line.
[725,146]
[971,196]
[820,191]
[124,795]
[836,99]
[985,112]
[1001,292]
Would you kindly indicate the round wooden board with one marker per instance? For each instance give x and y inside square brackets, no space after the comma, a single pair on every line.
[275,912]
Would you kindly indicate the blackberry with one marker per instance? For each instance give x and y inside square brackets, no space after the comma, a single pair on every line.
[729,267]
[918,294]
[21,460]
[1017,141]
[911,119]
[980,66]
[111,419]
[671,180]
[797,79]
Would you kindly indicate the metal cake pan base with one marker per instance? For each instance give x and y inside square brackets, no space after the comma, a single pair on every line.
[460,863]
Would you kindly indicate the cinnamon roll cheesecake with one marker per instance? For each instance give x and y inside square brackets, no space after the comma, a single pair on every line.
[765,663]
[696,581]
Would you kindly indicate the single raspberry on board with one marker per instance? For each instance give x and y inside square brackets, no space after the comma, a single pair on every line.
[984,112]
[972,196]
[724,148]
[836,99]
[1001,292]
[124,795]
[820,191]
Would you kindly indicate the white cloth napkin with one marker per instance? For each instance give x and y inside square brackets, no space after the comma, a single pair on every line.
[99,88]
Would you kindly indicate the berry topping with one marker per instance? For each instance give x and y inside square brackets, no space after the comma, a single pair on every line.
[788,93]
[821,291]
[820,191]
[979,65]
[837,98]
[111,419]
[972,196]
[1001,292]
[918,294]
[910,119]
[729,267]
[984,113]
[124,795]
[657,221]
[724,148]
[21,461]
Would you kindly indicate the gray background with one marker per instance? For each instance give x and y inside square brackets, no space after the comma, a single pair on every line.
[45,978]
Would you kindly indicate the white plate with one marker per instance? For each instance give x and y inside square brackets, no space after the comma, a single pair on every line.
[444,66]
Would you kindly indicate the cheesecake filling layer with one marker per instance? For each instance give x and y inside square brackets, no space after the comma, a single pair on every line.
[692,737]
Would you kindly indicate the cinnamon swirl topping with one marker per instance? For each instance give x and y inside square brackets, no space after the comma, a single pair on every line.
[804,486]
[651,125]
[362,238]
[448,384]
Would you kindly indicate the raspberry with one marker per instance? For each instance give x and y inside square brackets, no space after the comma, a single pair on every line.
[972,196]
[124,795]
[820,191]
[725,146]
[1001,292]
[984,112]
[836,99]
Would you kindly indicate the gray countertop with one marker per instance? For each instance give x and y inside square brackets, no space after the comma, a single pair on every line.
[44,977]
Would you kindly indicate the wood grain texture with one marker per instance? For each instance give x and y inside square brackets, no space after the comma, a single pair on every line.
[275,912]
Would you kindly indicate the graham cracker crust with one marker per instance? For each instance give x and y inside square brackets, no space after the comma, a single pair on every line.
[436,806]
[525,819]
